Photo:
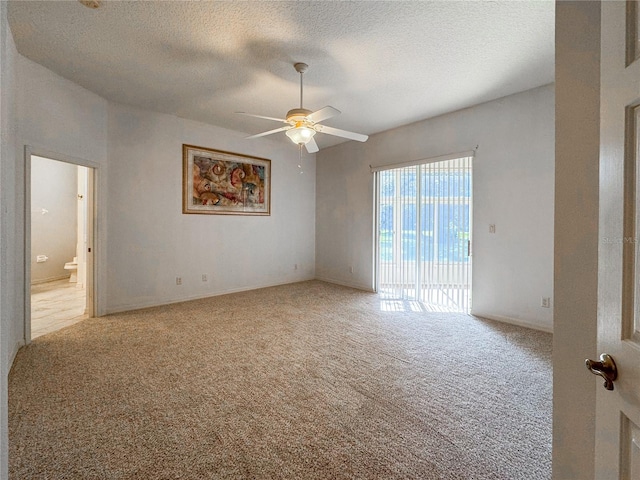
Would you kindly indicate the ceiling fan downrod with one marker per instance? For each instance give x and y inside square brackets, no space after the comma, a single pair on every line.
[301,68]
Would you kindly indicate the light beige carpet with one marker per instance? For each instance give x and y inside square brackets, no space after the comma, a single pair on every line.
[303,381]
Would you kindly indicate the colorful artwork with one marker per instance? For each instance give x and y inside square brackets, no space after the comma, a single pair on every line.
[216,182]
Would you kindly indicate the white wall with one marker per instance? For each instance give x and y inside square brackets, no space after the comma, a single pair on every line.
[8,141]
[60,116]
[54,190]
[576,237]
[513,188]
[151,242]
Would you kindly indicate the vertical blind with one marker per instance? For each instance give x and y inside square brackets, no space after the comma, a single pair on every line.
[424,233]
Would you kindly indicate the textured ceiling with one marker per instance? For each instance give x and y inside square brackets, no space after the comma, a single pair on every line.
[383,64]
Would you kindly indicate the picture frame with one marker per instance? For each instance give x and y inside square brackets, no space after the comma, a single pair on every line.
[215,182]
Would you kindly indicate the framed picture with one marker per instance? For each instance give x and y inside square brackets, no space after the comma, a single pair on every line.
[224,183]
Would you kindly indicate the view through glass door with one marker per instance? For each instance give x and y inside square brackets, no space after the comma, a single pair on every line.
[424,234]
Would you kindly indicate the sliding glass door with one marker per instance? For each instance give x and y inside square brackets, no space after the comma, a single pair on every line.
[424,233]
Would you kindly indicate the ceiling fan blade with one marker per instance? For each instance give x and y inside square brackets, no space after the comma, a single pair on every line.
[270,132]
[341,133]
[311,146]
[262,116]
[323,114]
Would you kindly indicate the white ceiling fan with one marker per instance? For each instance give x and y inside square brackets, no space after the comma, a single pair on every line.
[302,124]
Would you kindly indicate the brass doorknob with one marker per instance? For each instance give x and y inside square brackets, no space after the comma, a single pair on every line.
[606,368]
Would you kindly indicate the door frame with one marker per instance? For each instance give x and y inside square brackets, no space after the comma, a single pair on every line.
[92,227]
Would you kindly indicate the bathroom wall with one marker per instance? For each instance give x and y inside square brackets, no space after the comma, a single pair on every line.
[513,189]
[150,240]
[53,217]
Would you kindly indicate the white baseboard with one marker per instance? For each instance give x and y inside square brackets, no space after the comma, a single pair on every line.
[357,286]
[515,321]
[50,279]
[187,298]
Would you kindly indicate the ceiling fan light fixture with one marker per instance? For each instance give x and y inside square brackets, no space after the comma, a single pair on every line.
[302,124]
[301,135]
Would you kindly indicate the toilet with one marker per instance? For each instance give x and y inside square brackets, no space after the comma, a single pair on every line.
[73,267]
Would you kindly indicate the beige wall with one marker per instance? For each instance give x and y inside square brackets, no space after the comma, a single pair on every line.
[576,237]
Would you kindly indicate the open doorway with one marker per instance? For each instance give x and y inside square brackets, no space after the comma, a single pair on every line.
[60,283]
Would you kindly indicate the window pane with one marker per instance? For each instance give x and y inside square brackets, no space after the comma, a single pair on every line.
[426,232]
[387,184]
[408,182]
[453,233]
[386,233]
[409,224]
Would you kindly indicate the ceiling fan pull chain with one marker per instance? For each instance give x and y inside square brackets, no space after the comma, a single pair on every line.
[300,170]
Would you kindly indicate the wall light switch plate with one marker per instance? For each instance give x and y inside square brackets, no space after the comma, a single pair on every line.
[492,228]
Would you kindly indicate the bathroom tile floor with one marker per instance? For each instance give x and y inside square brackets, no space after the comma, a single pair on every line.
[55,305]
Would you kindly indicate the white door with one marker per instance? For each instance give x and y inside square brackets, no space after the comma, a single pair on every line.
[618,410]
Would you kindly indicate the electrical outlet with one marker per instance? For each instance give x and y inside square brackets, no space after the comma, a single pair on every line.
[492,228]
[178,280]
[204,277]
[351,269]
[545,302]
